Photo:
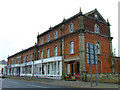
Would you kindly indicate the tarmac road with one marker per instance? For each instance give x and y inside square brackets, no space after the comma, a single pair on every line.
[10,83]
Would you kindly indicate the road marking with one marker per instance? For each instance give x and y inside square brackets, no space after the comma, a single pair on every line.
[12,82]
[37,86]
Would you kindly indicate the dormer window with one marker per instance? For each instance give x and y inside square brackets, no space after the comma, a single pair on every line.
[71,27]
[96,27]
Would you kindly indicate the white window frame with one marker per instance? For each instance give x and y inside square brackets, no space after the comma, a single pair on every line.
[41,54]
[96,28]
[71,47]
[11,61]
[55,50]
[30,56]
[98,47]
[48,53]
[56,34]
[18,60]
[71,30]
[48,38]
[42,40]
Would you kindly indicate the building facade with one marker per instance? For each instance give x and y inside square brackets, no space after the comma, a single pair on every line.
[62,51]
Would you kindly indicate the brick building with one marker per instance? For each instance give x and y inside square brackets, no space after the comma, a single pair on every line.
[61,52]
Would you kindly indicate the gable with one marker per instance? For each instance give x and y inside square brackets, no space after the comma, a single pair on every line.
[95,12]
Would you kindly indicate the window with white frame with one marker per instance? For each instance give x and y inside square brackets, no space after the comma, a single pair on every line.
[71,47]
[55,50]
[14,61]
[41,54]
[71,27]
[96,27]
[48,38]
[48,68]
[42,39]
[17,60]
[30,57]
[56,34]
[11,61]
[48,53]
[98,47]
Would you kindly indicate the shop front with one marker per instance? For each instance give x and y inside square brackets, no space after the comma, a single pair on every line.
[9,70]
[15,69]
[26,69]
[49,67]
[72,70]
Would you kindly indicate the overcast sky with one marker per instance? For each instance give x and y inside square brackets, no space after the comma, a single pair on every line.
[21,20]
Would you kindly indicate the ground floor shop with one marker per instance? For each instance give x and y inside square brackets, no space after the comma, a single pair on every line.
[72,70]
[26,69]
[44,68]
[49,68]
[14,70]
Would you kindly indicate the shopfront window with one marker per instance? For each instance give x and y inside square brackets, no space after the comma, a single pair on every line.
[48,68]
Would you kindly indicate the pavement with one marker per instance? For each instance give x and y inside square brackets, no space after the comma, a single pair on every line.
[63,83]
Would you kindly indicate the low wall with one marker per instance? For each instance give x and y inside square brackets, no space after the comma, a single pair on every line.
[103,78]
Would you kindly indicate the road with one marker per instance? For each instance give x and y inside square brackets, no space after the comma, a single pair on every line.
[10,83]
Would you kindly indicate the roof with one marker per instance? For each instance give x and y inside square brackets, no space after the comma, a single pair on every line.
[66,20]
[3,62]
[22,51]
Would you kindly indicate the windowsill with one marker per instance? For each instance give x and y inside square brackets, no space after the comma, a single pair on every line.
[99,54]
[71,53]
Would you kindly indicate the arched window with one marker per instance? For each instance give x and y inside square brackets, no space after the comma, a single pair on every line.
[98,47]
[55,51]
[96,28]
[71,27]
[71,47]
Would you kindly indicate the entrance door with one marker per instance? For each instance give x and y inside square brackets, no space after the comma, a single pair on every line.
[72,71]
[19,71]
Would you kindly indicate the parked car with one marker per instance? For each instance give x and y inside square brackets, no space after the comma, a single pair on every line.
[2,75]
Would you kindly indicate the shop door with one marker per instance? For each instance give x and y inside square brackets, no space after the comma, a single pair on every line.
[72,71]
[19,71]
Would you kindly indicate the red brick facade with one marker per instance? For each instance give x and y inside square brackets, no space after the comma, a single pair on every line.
[74,64]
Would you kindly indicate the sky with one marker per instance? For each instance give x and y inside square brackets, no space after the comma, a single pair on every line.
[21,20]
